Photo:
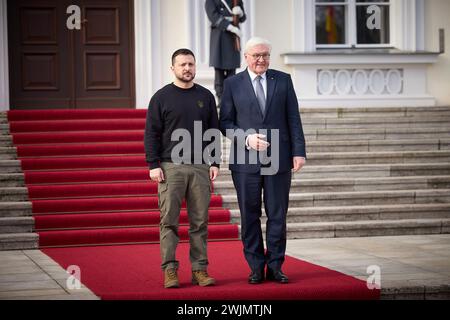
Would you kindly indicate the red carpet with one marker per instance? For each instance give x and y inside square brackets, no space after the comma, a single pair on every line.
[88,181]
[102,270]
[95,207]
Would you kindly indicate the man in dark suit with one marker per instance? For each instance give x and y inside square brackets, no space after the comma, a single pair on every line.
[224,56]
[260,109]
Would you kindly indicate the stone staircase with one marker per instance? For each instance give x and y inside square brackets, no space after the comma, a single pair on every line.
[16,221]
[370,172]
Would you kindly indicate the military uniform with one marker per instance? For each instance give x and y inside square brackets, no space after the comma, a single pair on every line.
[223,55]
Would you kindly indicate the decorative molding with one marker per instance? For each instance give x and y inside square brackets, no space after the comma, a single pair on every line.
[367,101]
[367,78]
[359,82]
[336,58]
[4,73]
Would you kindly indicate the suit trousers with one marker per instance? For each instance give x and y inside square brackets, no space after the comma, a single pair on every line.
[192,183]
[274,189]
[219,78]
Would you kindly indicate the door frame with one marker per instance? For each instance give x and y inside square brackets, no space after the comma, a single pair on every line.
[4,70]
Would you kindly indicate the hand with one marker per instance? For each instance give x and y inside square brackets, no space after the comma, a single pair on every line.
[237,11]
[157,175]
[298,163]
[257,141]
[213,173]
[234,30]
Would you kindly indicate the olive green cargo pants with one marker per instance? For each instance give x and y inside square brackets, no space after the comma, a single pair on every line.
[190,182]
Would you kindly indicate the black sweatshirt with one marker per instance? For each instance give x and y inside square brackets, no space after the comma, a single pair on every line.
[173,108]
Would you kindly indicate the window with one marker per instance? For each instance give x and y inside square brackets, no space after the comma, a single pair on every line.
[352,23]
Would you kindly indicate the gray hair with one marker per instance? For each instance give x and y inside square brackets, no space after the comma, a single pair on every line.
[255,41]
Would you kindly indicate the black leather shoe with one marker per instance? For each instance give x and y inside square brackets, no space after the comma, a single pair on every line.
[277,276]
[256,277]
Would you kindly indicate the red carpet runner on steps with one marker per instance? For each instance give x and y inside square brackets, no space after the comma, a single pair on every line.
[88,183]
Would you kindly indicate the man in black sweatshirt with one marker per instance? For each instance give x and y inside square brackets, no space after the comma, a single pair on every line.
[190,109]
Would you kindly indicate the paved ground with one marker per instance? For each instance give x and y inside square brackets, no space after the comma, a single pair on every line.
[416,267]
[410,267]
[30,274]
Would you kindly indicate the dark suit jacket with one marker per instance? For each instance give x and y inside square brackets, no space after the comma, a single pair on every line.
[240,110]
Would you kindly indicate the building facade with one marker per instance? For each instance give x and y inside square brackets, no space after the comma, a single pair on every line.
[340,53]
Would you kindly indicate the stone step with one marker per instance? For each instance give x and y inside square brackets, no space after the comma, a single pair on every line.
[378,145]
[369,145]
[357,198]
[362,123]
[4,129]
[334,158]
[366,228]
[370,157]
[360,213]
[15,209]
[8,180]
[382,122]
[6,141]
[351,184]
[10,166]
[393,157]
[3,118]
[12,194]
[376,134]
[361,170]
[16,225]
[357,112]
[19,241]
[309,172]
[8,153]
[323,135]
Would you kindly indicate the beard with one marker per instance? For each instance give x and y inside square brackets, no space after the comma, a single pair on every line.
[186,77]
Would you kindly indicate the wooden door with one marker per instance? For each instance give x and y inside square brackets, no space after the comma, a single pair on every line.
[38,50]
[54,67]
[103,56]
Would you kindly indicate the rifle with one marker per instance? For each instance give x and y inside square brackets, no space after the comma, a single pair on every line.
[237,41]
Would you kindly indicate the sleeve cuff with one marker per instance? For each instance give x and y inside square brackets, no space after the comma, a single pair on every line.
[153,165]
[246,143]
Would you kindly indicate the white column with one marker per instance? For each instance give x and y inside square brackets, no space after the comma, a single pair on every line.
[147,31]
[304,32]
[408,24]
[4,73]
[198,28]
